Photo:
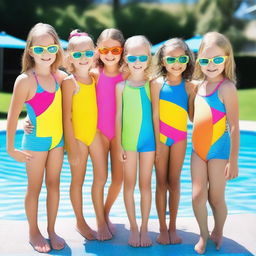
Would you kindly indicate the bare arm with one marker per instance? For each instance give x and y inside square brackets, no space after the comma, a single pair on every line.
[20,95]
[155,87]
[68,88]
[119,108]
[230,99]
[191,91]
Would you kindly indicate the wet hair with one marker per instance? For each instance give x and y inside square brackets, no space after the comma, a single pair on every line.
[75,37]
[158,69]
[39,29]
[110,33]
[135,41]
[215,38]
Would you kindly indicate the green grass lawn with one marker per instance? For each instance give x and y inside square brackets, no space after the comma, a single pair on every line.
[247,104]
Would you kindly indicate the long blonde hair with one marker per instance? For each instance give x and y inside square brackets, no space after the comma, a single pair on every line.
[137,40]
[158,68]
[28,61]
[222,42]
[74,37]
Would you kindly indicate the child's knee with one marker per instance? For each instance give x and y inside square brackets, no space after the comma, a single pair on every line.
[52,184]
[217,202]
[199,198]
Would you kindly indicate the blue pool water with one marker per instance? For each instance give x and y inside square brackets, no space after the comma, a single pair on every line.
[240,193]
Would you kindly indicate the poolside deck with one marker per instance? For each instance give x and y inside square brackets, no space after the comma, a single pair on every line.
[239,239]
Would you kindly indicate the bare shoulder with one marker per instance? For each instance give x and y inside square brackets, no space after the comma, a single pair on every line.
[120,85]
[227,87]
[156,84]
[24,80]
[68,82]
[60,75]
[191,86]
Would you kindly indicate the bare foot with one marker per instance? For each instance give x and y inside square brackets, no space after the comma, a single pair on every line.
[103,233]
[86,231]
[201,245]
[57,242]
[163,237]
[134,238]
[111,226]
[39,243]
[145,240]
[216,238]
[174,238]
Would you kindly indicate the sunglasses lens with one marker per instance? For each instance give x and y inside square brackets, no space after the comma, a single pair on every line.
[89,54]
[218,60]
[76,55]
[38,50]
[116,51]
[183,59]
[170,60]
[131,59]
[52,49]
[103,50]
[203,62]
[143,58]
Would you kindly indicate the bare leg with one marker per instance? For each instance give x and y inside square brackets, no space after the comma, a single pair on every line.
[199,199]
[130,173]
[177,155]
[100,174]
[161,193]
[52,180]
[35,173]
[217,185]
[76,193]
[116,182]
[145,175]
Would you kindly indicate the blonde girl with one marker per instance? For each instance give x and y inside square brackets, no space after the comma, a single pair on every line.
[215,134]
[135,135]
[38,87]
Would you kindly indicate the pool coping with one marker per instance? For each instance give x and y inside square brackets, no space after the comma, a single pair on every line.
[239,238]
[244,125]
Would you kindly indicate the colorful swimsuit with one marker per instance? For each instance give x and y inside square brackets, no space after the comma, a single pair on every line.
[45,113]
[137,123]
[173,111]
[84,112]
[106,100]
[210,137]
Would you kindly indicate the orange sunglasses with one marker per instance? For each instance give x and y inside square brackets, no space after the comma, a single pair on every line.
[114,50]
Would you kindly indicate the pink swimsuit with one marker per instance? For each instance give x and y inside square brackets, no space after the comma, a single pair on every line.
[106,100]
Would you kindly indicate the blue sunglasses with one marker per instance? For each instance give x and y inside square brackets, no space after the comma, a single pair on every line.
[78,55]
[141,58]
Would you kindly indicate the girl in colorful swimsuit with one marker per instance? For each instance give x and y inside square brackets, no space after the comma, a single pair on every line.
[80,123]
[110,46]
[215,134]
[135,135]
[39,88]
[172,98]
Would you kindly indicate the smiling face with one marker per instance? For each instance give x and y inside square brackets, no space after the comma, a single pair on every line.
[110,59]
[176,69]
[85,62]
[212,70]
[141,62]
[45,59]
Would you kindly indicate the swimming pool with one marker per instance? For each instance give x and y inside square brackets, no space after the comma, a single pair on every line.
[240,193]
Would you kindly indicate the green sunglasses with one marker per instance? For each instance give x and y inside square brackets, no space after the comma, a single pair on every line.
[52,49]
[78,55]
[181,59]
[216,60]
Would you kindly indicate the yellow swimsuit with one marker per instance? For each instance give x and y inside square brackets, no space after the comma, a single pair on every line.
[85,113]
